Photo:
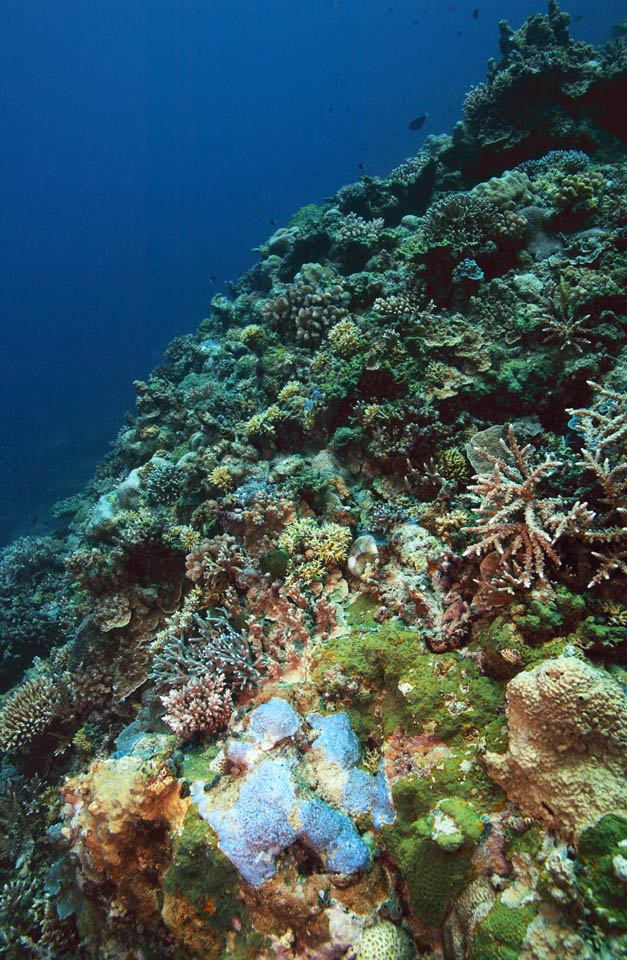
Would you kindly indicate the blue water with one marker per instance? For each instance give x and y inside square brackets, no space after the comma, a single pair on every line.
[149,145]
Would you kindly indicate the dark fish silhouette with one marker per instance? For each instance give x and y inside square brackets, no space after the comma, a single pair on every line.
[417,122]
[361,166]
[475,13]
[578,18]
[212,278]
[272,221]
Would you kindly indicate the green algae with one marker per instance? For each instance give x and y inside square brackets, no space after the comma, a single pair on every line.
[196,761]
[437,864]
[447,692]
[526,378]
[470,825]
[308,218]
[501,935]
[603,892]
[201,874]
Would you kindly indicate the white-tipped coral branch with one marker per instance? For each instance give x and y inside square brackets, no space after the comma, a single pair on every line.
[519,524]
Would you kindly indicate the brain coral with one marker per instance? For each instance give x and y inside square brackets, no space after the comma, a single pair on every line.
[566,762]
[384,941]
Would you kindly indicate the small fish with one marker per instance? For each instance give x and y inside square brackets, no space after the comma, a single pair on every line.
[272,221]
[417,122]
[212,278]
[578,18]
[475,13]
[361,166]
[459,33]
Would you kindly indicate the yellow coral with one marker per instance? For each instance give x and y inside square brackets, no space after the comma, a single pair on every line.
[222,479]
[346,338]
[581,189]
[371,414]
[314,548]
[82,742]
[253,336]
[261,426]
[293,388]
[182,536]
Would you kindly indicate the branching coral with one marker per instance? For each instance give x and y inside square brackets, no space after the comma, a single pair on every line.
[314,548]
[307,310]
[217,648]
[202,706]
[27,712]
[604,427]
[558,317]
[519,525]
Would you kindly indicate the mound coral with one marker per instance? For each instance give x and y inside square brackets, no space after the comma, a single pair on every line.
[566,762]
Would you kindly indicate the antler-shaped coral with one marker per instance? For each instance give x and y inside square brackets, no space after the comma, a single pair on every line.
[521,526]
[604,427]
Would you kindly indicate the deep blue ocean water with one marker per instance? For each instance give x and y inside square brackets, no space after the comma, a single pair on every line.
[147,146]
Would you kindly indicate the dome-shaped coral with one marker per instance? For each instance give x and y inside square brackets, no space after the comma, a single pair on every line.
[385,941]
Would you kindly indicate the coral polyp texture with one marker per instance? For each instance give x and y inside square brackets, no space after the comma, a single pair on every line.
[329,658]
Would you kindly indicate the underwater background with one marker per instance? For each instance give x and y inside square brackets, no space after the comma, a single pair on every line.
[325,657]
[148,147]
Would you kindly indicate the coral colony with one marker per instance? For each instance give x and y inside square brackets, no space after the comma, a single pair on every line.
[329,658]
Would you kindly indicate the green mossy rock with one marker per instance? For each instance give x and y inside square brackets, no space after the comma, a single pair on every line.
[501,935]
[603,891]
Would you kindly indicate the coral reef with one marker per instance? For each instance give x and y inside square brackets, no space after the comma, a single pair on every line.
[328,659]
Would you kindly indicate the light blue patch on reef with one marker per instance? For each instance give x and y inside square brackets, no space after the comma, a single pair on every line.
[336,738]
[358,793]
[128,738]
[256,828]
[332,835]
[467,270]
[267,817]
[272,722]
[382,803]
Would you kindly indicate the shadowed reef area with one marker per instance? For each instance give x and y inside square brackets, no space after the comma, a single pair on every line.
[328,659]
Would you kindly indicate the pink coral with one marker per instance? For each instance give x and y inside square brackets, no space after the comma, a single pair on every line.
[202,706]
[519,525]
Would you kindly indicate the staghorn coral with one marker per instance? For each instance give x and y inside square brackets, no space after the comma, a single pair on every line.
[557,317]
[215,648]
[519,525]
[604,427]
